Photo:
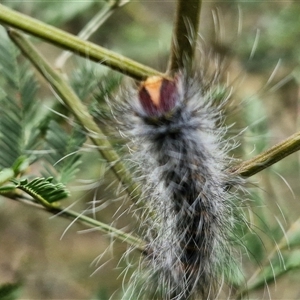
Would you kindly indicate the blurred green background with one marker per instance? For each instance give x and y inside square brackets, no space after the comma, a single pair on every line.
[260,43]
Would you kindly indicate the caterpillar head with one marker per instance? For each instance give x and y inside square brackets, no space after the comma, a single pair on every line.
[159,96]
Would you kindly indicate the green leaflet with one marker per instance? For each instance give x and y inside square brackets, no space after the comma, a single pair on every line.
[43,190]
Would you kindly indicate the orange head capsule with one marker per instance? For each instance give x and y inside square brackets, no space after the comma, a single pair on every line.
[158,95]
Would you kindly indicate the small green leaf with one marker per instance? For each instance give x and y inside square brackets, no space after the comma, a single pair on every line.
[43,190]
[6,189]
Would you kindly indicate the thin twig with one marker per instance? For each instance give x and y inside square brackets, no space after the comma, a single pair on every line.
[81,113]
[73,215]
[185,34]
[91,27]
[70,42]
[269,157]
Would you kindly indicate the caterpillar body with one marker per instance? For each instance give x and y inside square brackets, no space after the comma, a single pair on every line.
[176,129]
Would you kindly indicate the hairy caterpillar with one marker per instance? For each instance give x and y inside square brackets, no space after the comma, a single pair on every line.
[176,129]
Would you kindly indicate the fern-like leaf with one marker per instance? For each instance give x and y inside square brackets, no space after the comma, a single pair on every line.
[63,151]
[43,190]
[105,87]
[19,114]
[85,78]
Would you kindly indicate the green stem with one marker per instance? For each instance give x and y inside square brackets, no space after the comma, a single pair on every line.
[119,234]
[269,157]
[81,113]
[69,214]
[91,28]
[184,35]
[70,42]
